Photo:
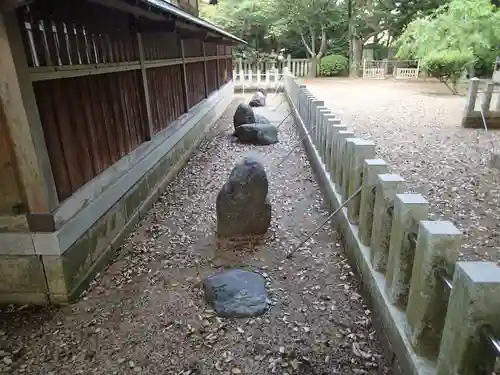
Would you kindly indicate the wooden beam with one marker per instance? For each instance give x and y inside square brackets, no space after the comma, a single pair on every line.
[45,73]
[22,120]
[190,34]
[184,77]
[205,68]
[218,64]
[148,26]
[145,88]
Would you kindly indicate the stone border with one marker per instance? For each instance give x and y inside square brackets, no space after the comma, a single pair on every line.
[392,320]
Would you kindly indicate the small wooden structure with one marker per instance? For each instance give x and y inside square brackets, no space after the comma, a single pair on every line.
[101,103]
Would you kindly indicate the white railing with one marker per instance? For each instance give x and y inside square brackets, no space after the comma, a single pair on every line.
[376,73]
[406,73]
[298,67]
[244,80]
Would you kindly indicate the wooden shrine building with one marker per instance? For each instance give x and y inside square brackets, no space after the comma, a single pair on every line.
[101,103]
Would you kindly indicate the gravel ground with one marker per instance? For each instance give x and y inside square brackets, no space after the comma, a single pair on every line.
[146,312]
[416,126]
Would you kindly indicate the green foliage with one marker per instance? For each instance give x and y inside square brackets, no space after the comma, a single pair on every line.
[447,66]
[333,65]
[462,25]
[454,37]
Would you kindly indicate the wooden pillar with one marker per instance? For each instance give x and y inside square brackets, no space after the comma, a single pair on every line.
[144,76]
[184,77]
[22,122]
[218,64]
[205,68]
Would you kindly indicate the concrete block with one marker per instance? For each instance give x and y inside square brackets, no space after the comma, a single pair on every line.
[328,120]
[314,121]
[326,116]
[437,248]
[362,150]
[332,151]
[474,302]
[340,144]
[346,167]
[371,169]
[320,127]
[388,185]
[409,209]
[21,274]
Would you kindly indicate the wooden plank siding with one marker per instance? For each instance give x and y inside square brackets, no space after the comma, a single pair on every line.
[89,82]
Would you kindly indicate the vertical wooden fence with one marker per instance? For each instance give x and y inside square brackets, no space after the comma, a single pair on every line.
[105,82]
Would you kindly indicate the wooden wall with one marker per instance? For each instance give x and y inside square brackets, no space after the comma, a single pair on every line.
[105,82]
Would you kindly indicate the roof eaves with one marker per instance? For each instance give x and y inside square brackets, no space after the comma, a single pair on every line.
[172,9]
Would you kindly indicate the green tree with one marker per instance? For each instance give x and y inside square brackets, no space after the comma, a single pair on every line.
[454,36]
[312,21]
[372,18]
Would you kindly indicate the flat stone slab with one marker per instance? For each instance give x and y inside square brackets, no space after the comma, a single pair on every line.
[257,134]
[237,293]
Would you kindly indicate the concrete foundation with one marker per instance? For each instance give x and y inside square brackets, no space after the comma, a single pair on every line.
[56,266]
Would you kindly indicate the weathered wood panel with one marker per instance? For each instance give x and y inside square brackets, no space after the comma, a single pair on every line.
[89,123]
[212,76]
[193,48]
[159,46]
[165,88]
[195,83]
[210,49]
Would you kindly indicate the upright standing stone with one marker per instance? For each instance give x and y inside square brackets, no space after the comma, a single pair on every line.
[243,115]
[474,303]
[437,249]
[242,206]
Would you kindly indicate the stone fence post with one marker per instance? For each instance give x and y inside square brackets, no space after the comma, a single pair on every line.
[409,209]
[388,185]
[436,249]
[474,303]
[371,169]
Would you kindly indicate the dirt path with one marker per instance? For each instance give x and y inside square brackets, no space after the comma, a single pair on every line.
[146,314]
[417,130]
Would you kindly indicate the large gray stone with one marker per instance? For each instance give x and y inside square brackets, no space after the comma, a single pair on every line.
[237,293]
[257,134]
[259,119]
[243,209]
[258,100]
[243,115]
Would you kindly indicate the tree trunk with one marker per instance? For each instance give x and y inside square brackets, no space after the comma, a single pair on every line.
[356,64]
[313,67]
